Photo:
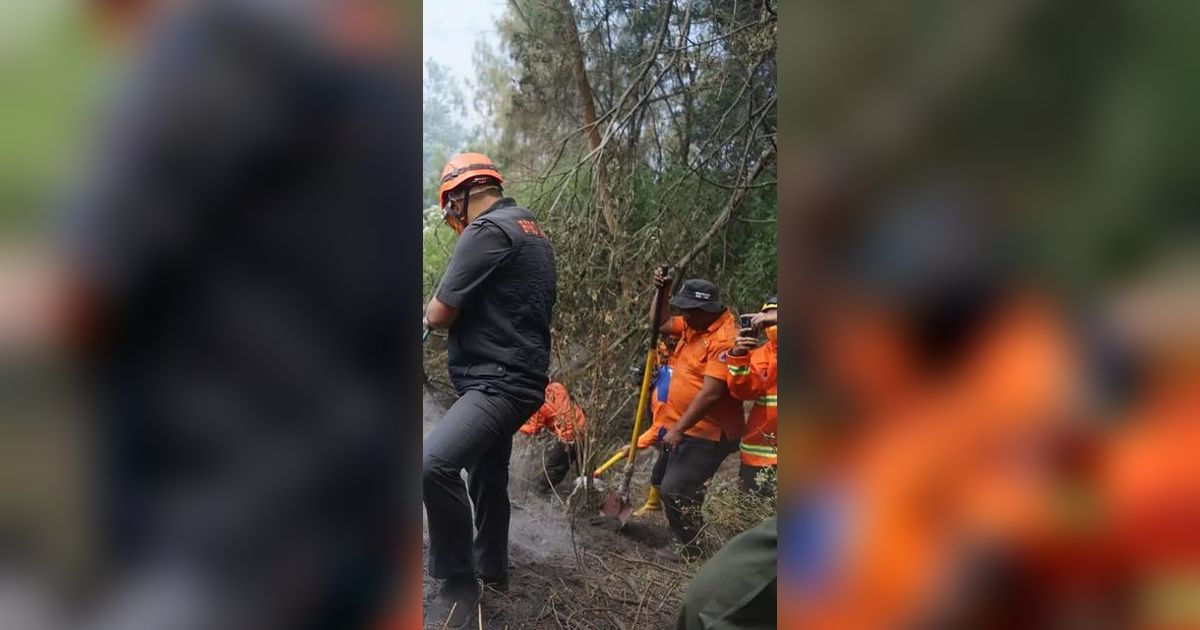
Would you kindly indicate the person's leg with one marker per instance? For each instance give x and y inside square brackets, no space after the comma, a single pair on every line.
[768,480]
[660,466]
[746,479]
[737,587]
[573,458]
[556,462]
[692,463]
[469,430]
[487,481]
[757,480]
[654,496]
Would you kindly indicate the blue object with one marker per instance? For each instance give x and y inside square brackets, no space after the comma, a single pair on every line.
[662,383]
[811,538]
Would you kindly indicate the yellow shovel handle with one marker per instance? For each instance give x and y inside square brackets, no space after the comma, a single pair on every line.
[641,407]
[609,462]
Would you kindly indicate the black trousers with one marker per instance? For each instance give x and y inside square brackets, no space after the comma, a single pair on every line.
[749,476]
[660,467]
[557,458]
[688,467]
[475,435]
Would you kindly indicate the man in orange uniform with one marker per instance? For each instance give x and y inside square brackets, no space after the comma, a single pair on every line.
[753,376]
[563,419]
[704,422]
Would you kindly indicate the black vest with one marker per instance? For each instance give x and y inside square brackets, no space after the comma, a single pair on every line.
[502,335]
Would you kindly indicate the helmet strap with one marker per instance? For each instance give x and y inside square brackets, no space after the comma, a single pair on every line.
[465,216]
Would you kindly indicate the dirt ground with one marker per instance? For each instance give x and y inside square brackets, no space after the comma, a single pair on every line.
[570,568]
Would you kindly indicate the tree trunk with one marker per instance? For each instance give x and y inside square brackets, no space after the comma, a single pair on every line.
[587,109]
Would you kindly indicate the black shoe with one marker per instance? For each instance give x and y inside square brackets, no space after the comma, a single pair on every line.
[455,605]
[494,583]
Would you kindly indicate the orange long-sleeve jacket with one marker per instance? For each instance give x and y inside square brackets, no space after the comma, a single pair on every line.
[559,415]
[658,395]
[753,376]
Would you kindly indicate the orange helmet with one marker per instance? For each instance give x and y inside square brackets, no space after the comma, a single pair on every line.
[463,168]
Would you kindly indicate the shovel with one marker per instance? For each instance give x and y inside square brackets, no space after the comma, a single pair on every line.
[583,480]
[617,503]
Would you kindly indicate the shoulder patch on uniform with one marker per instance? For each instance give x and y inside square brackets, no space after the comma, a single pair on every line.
[723,357]
[530,227]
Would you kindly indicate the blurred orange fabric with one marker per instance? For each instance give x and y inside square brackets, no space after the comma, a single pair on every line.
[559,415]
[944,465]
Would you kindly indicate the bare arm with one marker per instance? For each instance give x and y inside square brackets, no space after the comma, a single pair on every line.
[439,314]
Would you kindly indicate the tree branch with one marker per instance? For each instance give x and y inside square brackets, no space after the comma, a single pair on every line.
[735,199]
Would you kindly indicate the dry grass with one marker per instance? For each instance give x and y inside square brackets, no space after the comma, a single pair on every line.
[728,510]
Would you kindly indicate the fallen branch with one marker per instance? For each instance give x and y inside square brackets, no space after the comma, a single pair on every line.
[666,596]
[653,564]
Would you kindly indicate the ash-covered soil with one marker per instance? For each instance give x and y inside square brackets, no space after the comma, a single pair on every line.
[570,567]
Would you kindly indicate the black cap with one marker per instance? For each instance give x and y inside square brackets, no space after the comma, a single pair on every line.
[771,303]
[698,294]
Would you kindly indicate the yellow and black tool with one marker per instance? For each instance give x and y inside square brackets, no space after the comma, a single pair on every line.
[617,503]
[608,463]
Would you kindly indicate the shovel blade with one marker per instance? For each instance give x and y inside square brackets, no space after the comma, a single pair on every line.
[625,513]
[614,504]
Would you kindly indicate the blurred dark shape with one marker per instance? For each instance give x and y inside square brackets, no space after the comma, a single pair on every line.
[244,262]
[933,262]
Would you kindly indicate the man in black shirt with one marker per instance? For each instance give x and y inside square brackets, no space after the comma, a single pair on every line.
[496,298]
[233,248]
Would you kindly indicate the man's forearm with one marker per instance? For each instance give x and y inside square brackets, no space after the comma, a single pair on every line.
[439,314]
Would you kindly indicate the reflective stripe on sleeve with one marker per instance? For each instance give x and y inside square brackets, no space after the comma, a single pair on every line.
[760,450]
